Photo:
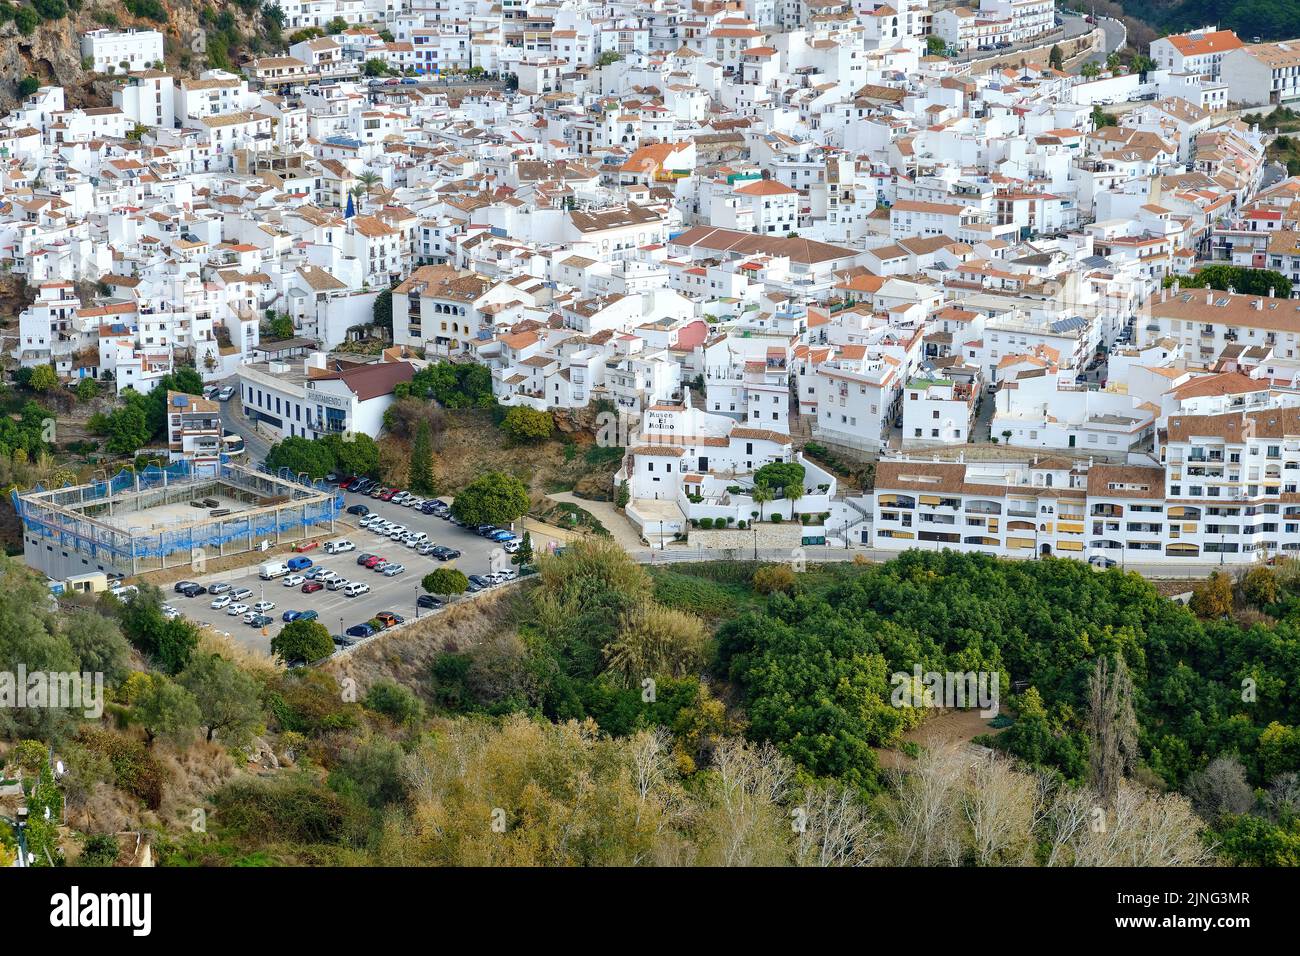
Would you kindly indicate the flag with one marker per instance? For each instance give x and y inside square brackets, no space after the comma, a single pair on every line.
[351,210]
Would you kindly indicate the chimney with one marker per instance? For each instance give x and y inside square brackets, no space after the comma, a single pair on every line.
[1259,305]
[1272,291]
[1176,286]
[1209,296]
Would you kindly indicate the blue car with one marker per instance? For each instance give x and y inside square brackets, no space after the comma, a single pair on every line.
[360,630]
[306,616]
[501,535]
[288,616]
[300,563]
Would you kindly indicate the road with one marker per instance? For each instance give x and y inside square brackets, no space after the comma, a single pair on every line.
[336,611]
[1116,37]
[256,445]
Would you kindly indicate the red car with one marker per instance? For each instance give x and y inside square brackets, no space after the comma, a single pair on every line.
[371,561]
[387,494]
[311,587]
[306,546]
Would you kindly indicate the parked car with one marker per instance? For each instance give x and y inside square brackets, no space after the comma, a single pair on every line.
[393,570]
[389,618]
[511,547]
[476,584]
[261,620]
[301,563]
[426,548]
[289,616]
[340,546]
[169,612]
[428,601]
[502,535]
[235,610]
[360,630]
[192,590]
[180,586]
[444,553]
[355,589]
[338,584]
[261,607]
[380,564]
[387,494]
[485,529]
[218,603]
[240,594]
[308,616]
[226,394]
[221,587]
[371,561]
[363,557]
[304,546]
[311,587]
[358,510]
[343,640]
[293,580]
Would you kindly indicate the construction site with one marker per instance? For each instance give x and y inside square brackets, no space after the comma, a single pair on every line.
[159,518]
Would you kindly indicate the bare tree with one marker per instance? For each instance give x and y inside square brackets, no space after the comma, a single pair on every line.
[1112,727]
[836,829]
[1283,795]
[1220,788]
[924,809]
[1000,806]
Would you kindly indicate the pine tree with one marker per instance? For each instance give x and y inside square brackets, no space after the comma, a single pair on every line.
[422,461]
[623,496]
[524,556]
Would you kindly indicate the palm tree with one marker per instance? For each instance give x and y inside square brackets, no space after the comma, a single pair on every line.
[366,183]
[793,492]
[762,494]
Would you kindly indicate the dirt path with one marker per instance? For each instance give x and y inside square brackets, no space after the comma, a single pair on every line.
[619,527]
[959,725]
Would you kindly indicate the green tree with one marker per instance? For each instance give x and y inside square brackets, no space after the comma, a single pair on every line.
[935,46]
[300,454]
[229,700]
[1090,70]
[375,68]
[421,471]
[449,582]
[623,495]
[302,641]
[99,645]
[381,315]
[779,474]
[491,498]
[524,424]
[281,327]
[524,556]
[44,378]
[355,453]
[87,390]
[762,494]
[164,708]
[1056,58]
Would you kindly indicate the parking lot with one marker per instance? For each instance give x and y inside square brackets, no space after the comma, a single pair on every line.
[337,612]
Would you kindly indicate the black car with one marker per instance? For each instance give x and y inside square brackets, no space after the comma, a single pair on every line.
[342,640]
[477,583]
[429,507]
[444,553]
[485,529]
[359,510]
[360,630]
[180,586]
[363,557]
[261,620]
[193,590]
[428,601]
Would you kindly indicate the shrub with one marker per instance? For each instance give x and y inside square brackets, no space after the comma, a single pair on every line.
[706,523]
[774,577]
[775,519]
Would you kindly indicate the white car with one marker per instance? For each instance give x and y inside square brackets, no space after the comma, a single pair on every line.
[294,580]
[356,588]
[218,603]
[261,607]
[511,547]
[339,547]
[397,532]
[235,610]
[338,584]
[393,570]
[412,502]
[170,612]
[328,577]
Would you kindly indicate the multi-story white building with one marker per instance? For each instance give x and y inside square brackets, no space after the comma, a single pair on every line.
[113,51]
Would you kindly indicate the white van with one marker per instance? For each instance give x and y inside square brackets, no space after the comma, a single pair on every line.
[339,546]
[273,569]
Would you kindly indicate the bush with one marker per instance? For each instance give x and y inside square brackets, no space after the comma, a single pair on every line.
[395,701]
[706,523]
[775,519]
[523,424]
[774,577]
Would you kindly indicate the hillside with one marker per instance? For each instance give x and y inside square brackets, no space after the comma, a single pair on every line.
[40,40]
[1148,19]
